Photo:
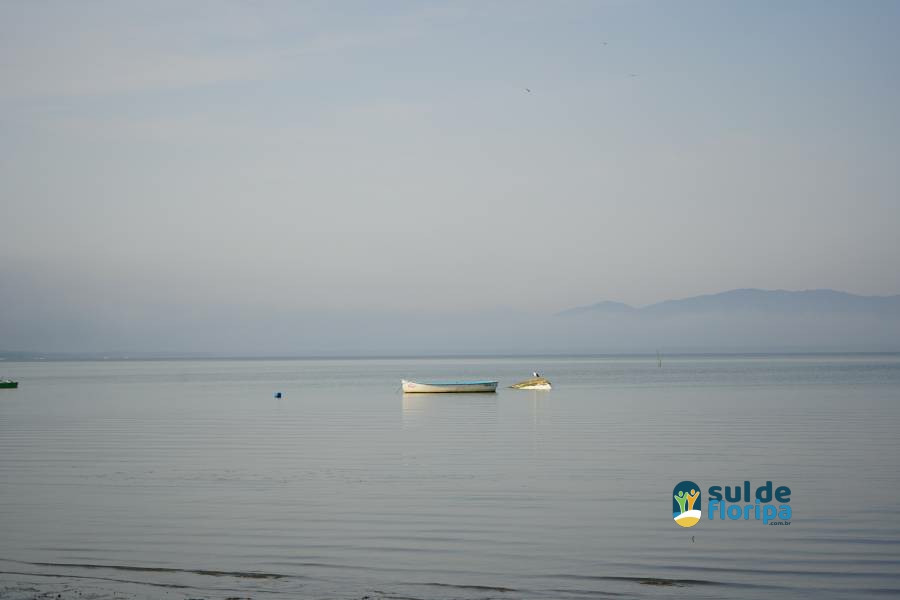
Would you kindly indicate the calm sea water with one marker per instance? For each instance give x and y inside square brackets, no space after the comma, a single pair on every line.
[187,479]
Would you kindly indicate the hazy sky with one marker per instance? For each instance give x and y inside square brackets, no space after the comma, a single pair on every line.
[387,156]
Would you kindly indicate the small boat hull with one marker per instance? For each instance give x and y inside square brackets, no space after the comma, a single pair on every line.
[448,387]
[6,383]
[535,383]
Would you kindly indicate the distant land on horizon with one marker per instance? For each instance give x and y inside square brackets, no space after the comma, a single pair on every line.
[754,299]
[18,356]
[740,321]
[746,320]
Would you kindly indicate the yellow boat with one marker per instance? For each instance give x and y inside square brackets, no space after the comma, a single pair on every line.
[534,383]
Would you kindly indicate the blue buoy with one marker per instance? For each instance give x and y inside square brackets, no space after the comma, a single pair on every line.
[278,394]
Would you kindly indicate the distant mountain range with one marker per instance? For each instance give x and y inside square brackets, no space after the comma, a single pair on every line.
[753,301]
[745,320]
[736,321]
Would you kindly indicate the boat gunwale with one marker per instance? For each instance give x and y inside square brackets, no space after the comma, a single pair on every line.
[447,383]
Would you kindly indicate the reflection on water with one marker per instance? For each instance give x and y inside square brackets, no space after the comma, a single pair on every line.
[188,479]
[448,409]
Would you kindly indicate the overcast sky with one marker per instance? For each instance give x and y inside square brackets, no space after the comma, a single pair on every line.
[387,156]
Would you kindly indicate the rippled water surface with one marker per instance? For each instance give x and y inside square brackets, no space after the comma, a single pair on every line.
[187,479]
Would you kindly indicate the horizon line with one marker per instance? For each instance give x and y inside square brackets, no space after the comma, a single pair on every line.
[152,356]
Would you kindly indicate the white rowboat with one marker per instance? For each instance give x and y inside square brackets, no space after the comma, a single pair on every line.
[437,387]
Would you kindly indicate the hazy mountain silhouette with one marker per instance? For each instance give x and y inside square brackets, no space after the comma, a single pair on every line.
[755,300]
[743,320]
[736,321]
